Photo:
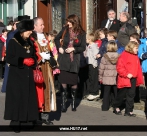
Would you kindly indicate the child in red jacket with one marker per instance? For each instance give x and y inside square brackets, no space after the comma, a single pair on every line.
[97,38]
[129,76]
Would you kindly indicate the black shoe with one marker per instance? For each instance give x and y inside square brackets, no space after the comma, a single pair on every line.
[73,108]
[15,125]
[16,129]
[117,112]
[130,115]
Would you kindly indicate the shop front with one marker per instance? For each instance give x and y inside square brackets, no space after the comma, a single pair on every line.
[11,9]
[55,12]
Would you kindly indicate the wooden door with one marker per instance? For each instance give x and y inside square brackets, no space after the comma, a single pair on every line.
[100,11]
[44,11]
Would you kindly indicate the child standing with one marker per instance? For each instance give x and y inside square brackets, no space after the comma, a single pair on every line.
[97,38]
[103,36]
[129,76]
[135,37]
[3,38]
[102,49]
[142,54]
[51,36]
[108,73]
[91,52]
[111,36]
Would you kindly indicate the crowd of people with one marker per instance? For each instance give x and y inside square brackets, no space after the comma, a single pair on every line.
[104,64]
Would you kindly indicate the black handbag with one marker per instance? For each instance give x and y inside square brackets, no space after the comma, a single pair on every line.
[52,62]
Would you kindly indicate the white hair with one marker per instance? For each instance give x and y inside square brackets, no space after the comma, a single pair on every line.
[36,19]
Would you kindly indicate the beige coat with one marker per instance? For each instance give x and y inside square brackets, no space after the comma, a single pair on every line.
[107,68]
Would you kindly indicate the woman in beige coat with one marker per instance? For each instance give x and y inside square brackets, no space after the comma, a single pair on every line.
[108,73]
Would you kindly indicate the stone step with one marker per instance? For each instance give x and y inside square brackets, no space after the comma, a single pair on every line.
[140,106]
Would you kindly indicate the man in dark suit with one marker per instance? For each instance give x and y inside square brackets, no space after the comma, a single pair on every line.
[111,23]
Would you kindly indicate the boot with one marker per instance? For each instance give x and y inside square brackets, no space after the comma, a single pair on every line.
[45,119]
[64,99]
[73,104]
[15,125]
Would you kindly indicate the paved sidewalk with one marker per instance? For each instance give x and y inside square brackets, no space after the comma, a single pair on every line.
[88,113]
[97,104]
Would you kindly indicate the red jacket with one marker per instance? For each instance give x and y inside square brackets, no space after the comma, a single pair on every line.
[3,48]
[128,64]
[98,42]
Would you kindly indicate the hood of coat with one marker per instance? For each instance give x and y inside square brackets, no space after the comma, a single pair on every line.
[19,38]
[112,57]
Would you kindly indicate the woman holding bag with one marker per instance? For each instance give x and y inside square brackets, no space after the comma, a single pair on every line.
[74,43]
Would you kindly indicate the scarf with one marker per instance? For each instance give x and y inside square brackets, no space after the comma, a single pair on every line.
[73,36]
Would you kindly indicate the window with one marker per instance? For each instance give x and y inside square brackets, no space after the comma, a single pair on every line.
[58,14]
[61,9]
[12,9]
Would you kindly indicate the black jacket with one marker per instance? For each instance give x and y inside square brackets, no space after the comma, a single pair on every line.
[64,59]
[102,49]
[115,24]
[124,33]
[21,99]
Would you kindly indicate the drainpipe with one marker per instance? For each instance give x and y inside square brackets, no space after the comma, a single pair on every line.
[1,10]
[5,11]
[34,8]
[20,9]
[23,7]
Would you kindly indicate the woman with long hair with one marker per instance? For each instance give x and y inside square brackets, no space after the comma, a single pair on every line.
[74,42]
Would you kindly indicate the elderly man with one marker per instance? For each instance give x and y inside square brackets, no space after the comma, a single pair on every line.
[47,88]
[126,29]
[111,23]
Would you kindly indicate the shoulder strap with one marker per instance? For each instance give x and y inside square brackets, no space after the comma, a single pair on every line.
[63,34]
[61,40]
